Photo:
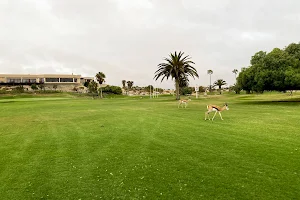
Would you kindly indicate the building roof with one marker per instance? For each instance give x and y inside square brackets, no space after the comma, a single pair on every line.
[41,75]
[91,78]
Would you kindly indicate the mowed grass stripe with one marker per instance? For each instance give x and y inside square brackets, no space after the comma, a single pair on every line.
[146,148]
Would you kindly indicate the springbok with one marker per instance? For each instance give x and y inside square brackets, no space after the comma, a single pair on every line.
[183,101]
[217,109]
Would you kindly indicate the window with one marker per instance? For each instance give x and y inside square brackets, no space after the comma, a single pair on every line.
[28,80]
[25,80]
[68,80]
[12,80]
[52,80]
[75,80]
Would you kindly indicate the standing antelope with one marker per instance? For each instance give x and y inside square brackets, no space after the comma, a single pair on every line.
[217,109]
[183,101]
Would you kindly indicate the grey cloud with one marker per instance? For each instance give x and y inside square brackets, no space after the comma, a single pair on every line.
[127,39]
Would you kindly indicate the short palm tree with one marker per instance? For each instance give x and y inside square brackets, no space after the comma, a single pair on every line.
[220,83]
[129,84]
[100,76]
[178,67]
[210,72]
[93,87]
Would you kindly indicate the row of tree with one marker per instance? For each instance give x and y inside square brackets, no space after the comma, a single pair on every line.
[129,84]
[130,87]
[277,70]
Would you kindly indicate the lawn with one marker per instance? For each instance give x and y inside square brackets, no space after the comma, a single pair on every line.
[141,148]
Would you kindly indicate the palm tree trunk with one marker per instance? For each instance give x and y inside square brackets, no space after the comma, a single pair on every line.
[209,82]
[177,89]
[220,89]
[99,93]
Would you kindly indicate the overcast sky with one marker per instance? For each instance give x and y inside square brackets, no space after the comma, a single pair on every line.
[126,39]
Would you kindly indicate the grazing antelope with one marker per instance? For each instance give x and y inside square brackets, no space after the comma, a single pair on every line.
[183,101]
[217,109]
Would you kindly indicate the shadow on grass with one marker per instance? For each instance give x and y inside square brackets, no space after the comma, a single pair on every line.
[294,101]
[7,101]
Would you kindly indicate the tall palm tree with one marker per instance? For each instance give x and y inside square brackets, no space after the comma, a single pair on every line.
[100,76]
[235,71]
[178,67]
[220,83]
[124,83]
[210,72]
[124,86]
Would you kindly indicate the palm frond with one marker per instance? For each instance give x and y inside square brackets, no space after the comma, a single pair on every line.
[177,66]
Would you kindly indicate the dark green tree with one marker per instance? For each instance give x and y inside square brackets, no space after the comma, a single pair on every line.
[277,70]
[258,58]
[294,50]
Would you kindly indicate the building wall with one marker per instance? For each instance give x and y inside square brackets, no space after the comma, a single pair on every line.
[67,83]
[40,78]
[62,87]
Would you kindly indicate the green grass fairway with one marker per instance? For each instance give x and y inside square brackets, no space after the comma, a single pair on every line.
[133,148]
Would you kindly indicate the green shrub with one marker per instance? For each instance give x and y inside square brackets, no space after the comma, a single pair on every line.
[201,89]
[34,87]
[86,84]
[112,90]
[18,89]
[3,91]
[236,88]
[186,90]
